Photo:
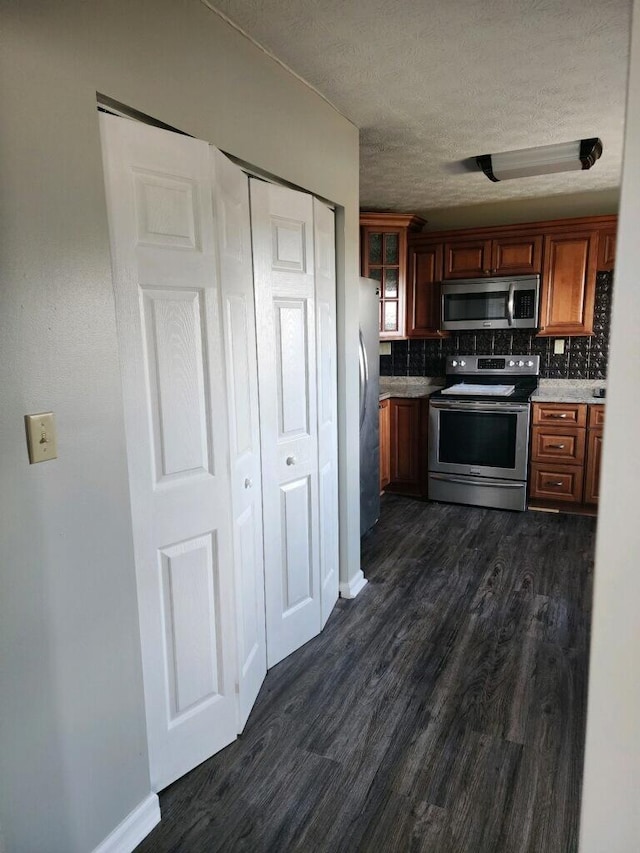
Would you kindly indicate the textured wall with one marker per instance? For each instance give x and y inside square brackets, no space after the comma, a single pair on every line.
[584,357]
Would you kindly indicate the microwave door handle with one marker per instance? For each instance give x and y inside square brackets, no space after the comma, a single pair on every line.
[511,303]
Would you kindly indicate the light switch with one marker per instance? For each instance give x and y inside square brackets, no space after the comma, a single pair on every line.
[385,347]
[558,346]
[41,437]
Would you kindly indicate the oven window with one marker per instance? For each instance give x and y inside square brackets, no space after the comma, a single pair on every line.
[476,306]
[478,439]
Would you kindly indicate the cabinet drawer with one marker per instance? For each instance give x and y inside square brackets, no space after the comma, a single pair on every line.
[596,415]
[560,414]
[558,445]
[556,482]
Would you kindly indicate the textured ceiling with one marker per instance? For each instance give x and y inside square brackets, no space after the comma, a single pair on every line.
[431,83]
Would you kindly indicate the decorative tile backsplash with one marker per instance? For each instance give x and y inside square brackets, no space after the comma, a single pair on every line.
[583,358]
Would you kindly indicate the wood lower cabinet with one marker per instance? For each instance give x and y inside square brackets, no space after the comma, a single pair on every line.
[594,455]
[558,445]
[566,442]
[385,443]
[568,288]
[560,414]
[405,445]
[556,482]
[406,449]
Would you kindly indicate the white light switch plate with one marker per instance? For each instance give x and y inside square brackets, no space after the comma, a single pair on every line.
[385,347]
[558,346]
[41,437]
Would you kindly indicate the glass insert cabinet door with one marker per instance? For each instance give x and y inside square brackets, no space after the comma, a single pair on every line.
[384,258]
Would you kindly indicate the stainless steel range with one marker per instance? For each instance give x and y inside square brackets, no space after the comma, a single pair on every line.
[479,431]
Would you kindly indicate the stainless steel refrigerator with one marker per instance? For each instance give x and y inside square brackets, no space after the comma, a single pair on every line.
[369,393]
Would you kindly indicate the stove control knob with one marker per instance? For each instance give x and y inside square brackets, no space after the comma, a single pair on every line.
[521,363]
[512,363]
[529,364]
[454,363]
[462,363]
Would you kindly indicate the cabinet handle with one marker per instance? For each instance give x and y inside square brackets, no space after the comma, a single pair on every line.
[557,415]
[556,446]
[552,483]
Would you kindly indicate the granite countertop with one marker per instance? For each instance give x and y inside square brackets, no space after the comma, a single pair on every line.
[549,390]
[568,391]
[409,386]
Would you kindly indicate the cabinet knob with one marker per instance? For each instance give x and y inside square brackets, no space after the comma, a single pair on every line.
[248,483]
[291,460]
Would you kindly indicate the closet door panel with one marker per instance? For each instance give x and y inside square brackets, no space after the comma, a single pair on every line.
[233,229]
[283,251]
[167,299]
[325,274]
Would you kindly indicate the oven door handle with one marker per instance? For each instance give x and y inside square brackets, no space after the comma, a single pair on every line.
[511,303]
[480,408]
[475,481]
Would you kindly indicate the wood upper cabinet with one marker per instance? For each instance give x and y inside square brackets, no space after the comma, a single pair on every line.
[568,283]
[513,254]
[516,255]
[385,443]
[467,259]
[384,258]
[607,249]
[423,291]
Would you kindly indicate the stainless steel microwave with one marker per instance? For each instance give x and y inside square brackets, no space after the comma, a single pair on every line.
[510,302]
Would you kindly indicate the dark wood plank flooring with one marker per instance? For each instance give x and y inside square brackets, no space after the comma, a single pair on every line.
[442,710]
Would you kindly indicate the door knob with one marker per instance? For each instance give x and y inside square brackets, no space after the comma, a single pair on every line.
[291,460]
[248,483]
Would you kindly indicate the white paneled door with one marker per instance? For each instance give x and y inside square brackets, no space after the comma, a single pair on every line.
[283,255]
[325,275]
[167,298]
[231,209]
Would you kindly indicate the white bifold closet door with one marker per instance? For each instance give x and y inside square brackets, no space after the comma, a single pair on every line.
[190,508]
[297,534]
[206,463]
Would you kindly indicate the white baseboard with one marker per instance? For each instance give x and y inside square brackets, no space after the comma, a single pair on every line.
[136,826]
[351,588]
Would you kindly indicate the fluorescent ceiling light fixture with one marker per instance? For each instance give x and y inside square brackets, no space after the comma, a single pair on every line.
[545,160]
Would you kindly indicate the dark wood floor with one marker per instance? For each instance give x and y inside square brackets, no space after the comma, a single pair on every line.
[442,710]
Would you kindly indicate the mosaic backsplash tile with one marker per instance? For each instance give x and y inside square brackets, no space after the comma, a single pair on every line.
[583,358]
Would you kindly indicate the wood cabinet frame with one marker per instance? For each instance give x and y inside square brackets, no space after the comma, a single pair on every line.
[389,223]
